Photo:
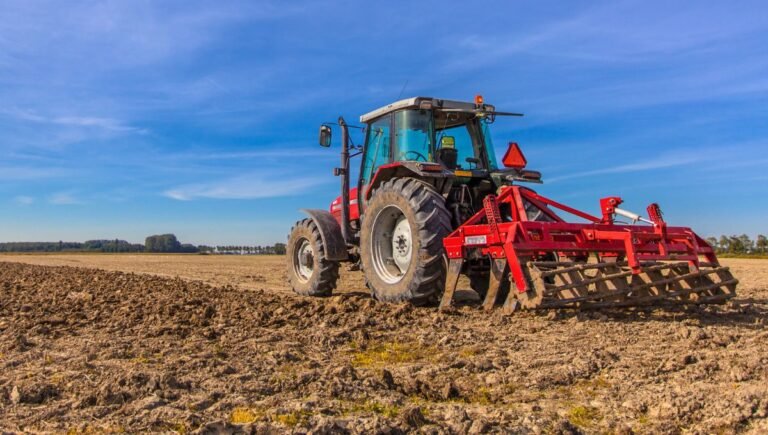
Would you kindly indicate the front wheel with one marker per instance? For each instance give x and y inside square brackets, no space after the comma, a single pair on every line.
[401,241]
[309,272]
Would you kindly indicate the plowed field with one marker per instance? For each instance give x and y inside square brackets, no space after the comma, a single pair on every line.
[218,344]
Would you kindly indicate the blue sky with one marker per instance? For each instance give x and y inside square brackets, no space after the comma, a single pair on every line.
[129,118]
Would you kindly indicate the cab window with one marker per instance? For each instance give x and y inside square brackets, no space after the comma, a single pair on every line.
[490,151]
[378,149]
[460,137]
[413,136]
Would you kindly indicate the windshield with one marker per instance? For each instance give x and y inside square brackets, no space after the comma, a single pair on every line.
[414,131]
[458,140]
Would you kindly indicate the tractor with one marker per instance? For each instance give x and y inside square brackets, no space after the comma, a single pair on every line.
[431,203]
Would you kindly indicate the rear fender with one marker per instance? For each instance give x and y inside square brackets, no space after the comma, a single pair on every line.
[330,232]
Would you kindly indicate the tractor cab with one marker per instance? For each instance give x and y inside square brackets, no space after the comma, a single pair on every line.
[444,143]
[453,134]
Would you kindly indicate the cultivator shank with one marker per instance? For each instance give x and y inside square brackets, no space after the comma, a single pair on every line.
[598,264]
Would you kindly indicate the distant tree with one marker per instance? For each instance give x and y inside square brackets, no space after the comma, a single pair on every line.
[279,248]
[747,243]
[188,248]
[162,243]
[724,244]
[735,245]
[761,244]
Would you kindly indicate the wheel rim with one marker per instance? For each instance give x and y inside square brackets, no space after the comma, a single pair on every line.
[303,260]
[391,244]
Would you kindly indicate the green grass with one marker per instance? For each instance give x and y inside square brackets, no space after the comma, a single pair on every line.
[583,416]
[291,419]
[391,353]
[245,416]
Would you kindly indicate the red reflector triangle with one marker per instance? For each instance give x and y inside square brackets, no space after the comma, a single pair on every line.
[514,158]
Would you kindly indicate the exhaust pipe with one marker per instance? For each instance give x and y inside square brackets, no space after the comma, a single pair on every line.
[344,172]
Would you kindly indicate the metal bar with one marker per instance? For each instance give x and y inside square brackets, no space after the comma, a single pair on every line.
[531,194]
[496,278]
[451,280]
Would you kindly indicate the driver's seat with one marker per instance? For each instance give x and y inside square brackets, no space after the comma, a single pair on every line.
[447,154]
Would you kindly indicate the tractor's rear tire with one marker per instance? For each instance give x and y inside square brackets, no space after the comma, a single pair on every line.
[401,241]
[310,273]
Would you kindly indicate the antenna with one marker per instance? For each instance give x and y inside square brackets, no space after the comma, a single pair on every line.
[402,90]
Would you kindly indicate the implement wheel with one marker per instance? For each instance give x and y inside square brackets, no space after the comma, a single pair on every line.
[309,272]
[401,241]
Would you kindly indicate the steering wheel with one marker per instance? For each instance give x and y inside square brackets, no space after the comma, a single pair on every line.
[418,155]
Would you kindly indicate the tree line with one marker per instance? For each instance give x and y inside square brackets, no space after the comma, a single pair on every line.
[61,246]
[159,243]
[742,245]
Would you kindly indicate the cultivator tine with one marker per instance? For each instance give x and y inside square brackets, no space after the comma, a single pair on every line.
[451,280]
[498,267]
[511,304]
[605,285]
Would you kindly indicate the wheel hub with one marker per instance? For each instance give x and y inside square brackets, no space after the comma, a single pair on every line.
[401,244]
[391,244]
[304,260]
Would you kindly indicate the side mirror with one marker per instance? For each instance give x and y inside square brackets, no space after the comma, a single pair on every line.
[325,136]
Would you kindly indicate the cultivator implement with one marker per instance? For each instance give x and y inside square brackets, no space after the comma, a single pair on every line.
[598,264]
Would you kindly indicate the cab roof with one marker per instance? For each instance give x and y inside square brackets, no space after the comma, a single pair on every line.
[423,102]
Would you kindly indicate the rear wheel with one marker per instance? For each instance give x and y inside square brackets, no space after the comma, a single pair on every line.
[401,241]
[310,273]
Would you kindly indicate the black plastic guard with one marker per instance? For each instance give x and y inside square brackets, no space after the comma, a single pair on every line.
[330,232]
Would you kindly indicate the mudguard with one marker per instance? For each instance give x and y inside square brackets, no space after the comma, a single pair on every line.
[330,232]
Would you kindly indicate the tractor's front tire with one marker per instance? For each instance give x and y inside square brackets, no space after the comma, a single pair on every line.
[310,273]
[401,241]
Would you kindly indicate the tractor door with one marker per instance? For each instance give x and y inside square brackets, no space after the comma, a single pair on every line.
[376,152]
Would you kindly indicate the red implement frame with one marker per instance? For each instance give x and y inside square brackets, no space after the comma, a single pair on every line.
[520,239]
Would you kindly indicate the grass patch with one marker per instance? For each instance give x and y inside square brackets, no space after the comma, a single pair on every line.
[244,416]
[583,416]
[179,428]
[390,353]
[292,419]
[481,396]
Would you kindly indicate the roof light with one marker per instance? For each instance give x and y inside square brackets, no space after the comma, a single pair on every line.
[479,100]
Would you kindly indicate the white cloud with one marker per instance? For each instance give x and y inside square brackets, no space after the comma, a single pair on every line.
[64,198]
[246,187]
[109,124]
[665,161]
[24,200]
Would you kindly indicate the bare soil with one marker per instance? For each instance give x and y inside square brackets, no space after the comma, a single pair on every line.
[225,347]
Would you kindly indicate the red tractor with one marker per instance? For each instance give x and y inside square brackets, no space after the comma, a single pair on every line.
[432,202]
